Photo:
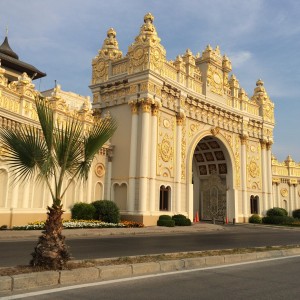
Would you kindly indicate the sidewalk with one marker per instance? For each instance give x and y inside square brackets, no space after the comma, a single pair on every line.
[94,232]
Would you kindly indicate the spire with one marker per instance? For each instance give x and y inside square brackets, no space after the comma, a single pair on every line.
[110,47]
[5,48]
[148,32]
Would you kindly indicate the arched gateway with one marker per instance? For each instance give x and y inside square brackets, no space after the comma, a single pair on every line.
[189,138]
[212,179]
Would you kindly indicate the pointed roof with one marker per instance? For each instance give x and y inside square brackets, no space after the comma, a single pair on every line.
[11,60]
[5,49]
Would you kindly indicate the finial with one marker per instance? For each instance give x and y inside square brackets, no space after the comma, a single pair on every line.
[259,82]
[111,33]
[149,17]
[6,31]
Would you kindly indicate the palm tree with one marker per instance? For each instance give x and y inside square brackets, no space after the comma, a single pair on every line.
[53,152]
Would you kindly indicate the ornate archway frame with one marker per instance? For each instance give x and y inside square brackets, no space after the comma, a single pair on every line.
[231,194]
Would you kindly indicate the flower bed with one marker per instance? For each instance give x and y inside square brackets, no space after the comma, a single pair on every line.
[69,224]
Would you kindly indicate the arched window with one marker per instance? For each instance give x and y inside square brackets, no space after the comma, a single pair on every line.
[164,199]
[3,187]
[254,202]
[98,191]
[285,205]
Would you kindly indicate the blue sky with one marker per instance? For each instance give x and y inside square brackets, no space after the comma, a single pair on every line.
[261,37]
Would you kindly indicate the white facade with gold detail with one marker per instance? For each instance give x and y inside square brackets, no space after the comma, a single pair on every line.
[189,139]
[25,202]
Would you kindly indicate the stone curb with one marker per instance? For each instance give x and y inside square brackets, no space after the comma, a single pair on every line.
[102,273]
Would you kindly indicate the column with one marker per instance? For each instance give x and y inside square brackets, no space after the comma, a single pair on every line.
[153,195]
[179,122]
[89,189]
[269,175]
[109,166]
[291,198]
[144,158]
[25,195]
[133,156]
[14,193]
[278,204]
[264,173]
[244,176]
[296,197]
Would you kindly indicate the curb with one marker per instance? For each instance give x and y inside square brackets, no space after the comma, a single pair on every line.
[91,274]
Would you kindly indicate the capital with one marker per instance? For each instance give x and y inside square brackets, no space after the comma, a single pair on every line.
[155,111]
[244,139]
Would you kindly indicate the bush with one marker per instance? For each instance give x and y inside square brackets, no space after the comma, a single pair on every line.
[106,211]
[83,211]
[255,219]
[166,223]
[296,213]
[165,217]
[277,211]
[181,220]
[278,220]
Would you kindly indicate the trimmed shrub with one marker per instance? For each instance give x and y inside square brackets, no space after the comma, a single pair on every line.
[276,211]
[83,211]
[106,211]
[165,217]
[296,213]
[166,223]
[255,219]
[181,220]
[278,220]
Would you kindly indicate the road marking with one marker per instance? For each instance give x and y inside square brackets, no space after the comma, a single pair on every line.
[80,286]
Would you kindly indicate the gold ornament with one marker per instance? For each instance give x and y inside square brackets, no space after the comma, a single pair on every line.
[166,150]
[99,170]
[284,192]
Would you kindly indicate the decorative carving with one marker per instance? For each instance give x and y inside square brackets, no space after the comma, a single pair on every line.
[237,160]
[166,123]
[284,192]
[214,131]
[214,80]
[99,169]
[253,169]
[166,150]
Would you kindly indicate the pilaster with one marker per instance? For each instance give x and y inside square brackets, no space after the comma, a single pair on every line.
[152,191]
[144,166]
[133,155]
[244,175]
[264,172]
[179,122]
[269,174]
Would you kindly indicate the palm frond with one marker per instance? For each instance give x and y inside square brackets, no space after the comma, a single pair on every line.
[101,132]
[25,151]
[68,149]
[46,119]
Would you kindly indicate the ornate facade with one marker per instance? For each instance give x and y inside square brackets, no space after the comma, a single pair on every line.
[189,139]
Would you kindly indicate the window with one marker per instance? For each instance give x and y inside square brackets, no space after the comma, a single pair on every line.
[254,204]
[165,193]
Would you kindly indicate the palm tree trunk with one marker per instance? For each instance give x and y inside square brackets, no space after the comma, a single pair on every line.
[51,252]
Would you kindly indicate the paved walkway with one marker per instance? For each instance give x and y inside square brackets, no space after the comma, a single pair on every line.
[93,232]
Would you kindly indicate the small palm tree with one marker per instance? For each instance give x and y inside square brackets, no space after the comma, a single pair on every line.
[52,153]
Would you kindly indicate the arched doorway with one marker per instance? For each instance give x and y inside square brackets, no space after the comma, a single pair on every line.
[212,189]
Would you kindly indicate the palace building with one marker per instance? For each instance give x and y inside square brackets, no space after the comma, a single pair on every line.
[189,141]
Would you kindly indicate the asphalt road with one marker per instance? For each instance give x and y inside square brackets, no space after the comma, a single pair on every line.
[276,279]
[14,253]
